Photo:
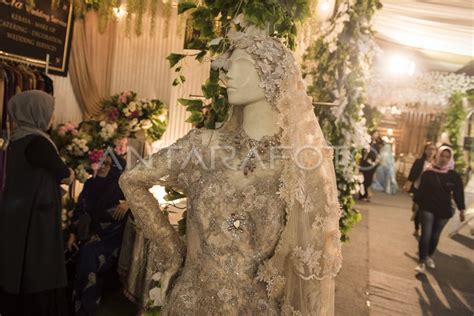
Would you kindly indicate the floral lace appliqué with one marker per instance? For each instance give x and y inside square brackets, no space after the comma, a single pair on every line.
[306,262]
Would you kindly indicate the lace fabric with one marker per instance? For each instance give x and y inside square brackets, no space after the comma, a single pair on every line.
[266,242]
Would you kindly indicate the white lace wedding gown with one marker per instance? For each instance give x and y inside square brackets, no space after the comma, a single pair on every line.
[260,239]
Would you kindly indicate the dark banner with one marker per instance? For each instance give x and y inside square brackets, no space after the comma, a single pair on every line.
[468,143]
[34,32]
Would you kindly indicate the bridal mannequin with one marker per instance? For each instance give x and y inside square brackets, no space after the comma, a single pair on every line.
[259,121]
[262,236]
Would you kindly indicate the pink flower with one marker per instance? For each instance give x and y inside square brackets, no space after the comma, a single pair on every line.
[95,155]
[124,96]
[121,146]
[70,126]
[62,130]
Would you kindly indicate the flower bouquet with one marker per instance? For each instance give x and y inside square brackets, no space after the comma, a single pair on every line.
[123,116]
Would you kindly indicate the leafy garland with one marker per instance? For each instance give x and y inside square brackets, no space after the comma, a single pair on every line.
[136,10]
[213,20]
[372,118]
[337,65]
[454,119]
[434,129]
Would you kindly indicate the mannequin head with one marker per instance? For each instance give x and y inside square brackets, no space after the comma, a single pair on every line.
[243,81]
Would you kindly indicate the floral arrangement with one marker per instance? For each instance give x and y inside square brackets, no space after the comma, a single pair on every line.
[337,67]
[123,117]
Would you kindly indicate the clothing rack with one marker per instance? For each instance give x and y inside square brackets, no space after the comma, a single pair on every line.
[27,61]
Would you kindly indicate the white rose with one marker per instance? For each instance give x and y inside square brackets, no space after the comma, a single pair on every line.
[132,106]
[102,123]
[146,124]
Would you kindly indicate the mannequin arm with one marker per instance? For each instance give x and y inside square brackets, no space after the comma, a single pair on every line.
[163,168]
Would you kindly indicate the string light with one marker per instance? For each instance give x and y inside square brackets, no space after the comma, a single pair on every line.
[401,65]
[120,12]
[325,6]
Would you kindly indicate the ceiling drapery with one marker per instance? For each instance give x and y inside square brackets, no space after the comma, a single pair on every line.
[439,30]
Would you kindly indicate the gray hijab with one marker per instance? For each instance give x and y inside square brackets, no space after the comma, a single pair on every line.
[32,111]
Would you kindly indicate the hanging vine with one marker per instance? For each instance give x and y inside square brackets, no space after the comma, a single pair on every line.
[454,120]
[337,66]
[213,20]
[135,11]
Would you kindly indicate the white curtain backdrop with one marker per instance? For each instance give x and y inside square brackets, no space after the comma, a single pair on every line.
[140,66]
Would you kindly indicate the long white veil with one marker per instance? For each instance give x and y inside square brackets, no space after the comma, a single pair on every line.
[300,274]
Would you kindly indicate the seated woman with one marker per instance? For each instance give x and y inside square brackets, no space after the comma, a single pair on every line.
[98,221]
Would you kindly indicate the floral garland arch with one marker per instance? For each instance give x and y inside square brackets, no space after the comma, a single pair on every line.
[337,68]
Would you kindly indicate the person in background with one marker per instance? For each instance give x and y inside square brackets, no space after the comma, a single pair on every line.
[368,165]
[98,222]
[385,176]
[414,178]
[32,265]
[439,184]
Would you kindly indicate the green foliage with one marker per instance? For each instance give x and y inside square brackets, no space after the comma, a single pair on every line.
[184,6]
[213,21]
[434,129]
[174,59]
[454,120]
[372,118]
[136,11]
[154,311]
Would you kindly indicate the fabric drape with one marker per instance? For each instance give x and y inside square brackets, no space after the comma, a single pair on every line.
[91,63]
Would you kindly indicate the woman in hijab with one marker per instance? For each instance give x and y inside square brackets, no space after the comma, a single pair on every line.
[414,178]
[32,266]
[99,220]
[439,184]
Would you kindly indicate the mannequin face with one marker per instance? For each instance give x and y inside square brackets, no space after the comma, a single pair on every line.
[243,80]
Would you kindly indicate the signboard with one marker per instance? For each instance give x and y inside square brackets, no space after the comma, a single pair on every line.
[34,32]
[468,143]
